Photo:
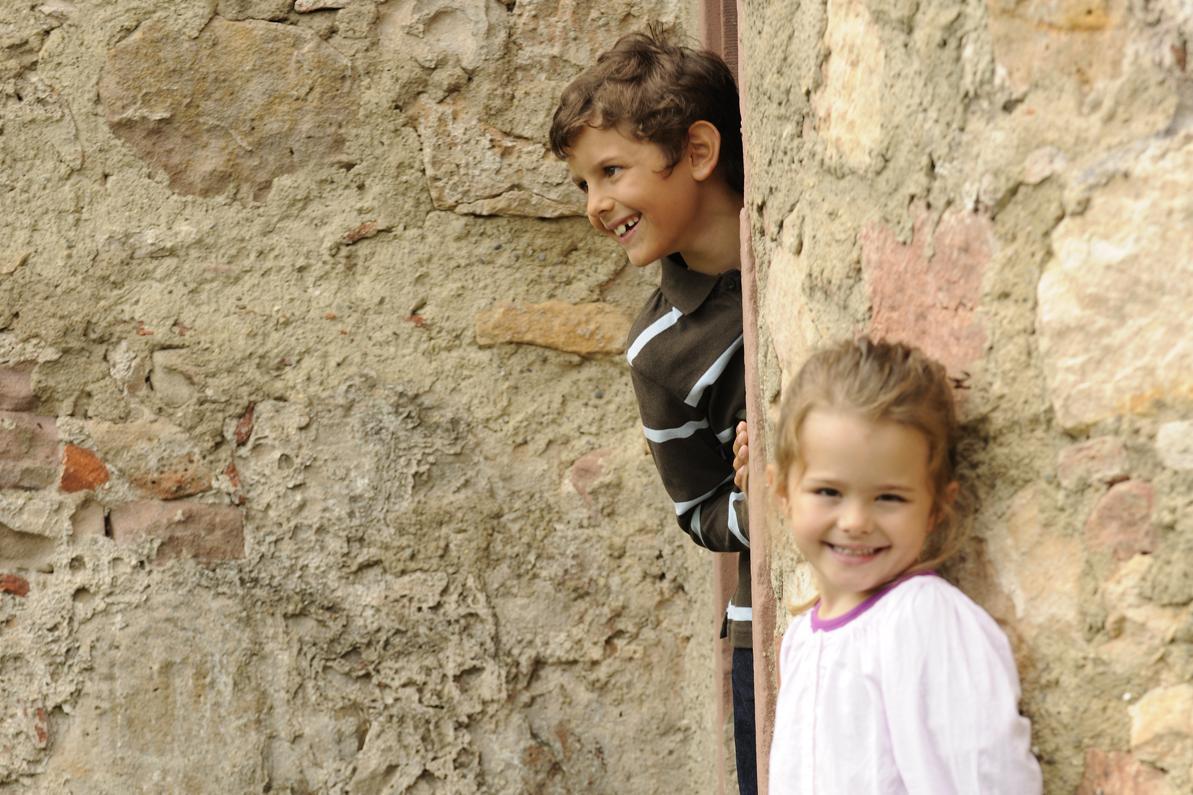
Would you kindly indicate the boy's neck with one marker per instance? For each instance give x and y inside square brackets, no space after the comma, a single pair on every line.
[715,245]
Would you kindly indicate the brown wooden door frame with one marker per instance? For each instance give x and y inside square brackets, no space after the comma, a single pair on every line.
[719,26]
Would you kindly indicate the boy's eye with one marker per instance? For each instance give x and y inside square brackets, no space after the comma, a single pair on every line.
[611,171]
[583,186]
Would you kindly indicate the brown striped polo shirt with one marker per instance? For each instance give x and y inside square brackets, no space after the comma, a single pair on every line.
[688,368]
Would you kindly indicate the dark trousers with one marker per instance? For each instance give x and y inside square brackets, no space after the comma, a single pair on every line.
[742,677]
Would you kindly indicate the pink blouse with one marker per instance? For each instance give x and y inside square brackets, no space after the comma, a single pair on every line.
[913,691]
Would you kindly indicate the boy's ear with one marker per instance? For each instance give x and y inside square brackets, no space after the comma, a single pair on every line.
[703,151]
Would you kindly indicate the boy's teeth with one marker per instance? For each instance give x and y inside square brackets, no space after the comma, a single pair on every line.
[627,226]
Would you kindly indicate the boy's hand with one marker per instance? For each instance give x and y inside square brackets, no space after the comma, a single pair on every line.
[741,457]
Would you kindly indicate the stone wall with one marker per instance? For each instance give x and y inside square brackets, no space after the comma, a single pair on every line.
[1007,183]
[319,467]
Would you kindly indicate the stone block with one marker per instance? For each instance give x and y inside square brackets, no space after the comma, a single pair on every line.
[1078,41]
[1174,444]
[1121,522]
[185,529]
[1120,773]
[28,451]
[849,103]
[437,33]
[240,104]
[157,458]
[929,296]
[1100,460]
[586,329]
[81,470]
[477,169]
[1038,567]
[88,521]
[16,387]
[1162,725]
[1113,321]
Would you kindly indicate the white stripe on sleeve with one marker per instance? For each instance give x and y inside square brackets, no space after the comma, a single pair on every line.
[660,435]
[725,436]
[696,526]
[734,527]
[712,373]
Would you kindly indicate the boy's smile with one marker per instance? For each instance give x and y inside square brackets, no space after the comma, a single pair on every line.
[632,194]
[859,504]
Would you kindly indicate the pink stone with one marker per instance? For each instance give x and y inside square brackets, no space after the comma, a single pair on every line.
[16,387]
[1116,772]
[586,470]
[186,529]
[1101,460]
[930,300]
[1121,522]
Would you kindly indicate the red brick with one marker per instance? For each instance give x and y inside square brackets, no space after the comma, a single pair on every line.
[930,297]
[186,529]
[81,470]
[244,428]
[1100,460]
[11,583]
[16,387]
[28,450]
[1118,773]
[1121,522]
[41,727]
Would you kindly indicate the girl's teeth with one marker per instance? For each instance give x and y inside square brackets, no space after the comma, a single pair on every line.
[860,552]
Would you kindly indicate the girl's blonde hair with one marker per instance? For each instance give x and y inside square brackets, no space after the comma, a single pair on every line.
[881,381]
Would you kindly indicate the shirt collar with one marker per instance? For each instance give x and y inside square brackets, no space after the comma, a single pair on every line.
[684,288]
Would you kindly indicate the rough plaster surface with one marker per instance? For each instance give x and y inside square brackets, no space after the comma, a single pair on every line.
[271,519]
[1006,184]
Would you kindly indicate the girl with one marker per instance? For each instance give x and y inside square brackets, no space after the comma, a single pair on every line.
[893,681]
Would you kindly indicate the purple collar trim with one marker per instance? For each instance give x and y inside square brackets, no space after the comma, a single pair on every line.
[828,625]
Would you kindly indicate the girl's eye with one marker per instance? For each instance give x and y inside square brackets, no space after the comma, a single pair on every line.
[892,498]
[583,186]
[825,491]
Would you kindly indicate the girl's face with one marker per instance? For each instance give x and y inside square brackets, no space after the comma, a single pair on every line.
[859,503]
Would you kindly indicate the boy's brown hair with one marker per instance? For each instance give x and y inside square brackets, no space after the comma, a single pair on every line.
[657,90]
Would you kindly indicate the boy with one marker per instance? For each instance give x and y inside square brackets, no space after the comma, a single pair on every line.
[652,135]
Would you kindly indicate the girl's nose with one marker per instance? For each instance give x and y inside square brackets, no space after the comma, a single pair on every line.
[854,518]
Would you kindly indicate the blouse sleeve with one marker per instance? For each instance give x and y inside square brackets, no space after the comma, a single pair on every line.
[951,695]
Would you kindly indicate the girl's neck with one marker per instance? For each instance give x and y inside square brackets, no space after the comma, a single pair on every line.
[847,607]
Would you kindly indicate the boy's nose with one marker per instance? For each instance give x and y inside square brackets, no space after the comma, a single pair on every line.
[598,205]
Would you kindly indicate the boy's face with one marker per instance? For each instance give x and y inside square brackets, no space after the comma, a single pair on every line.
[631,194]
